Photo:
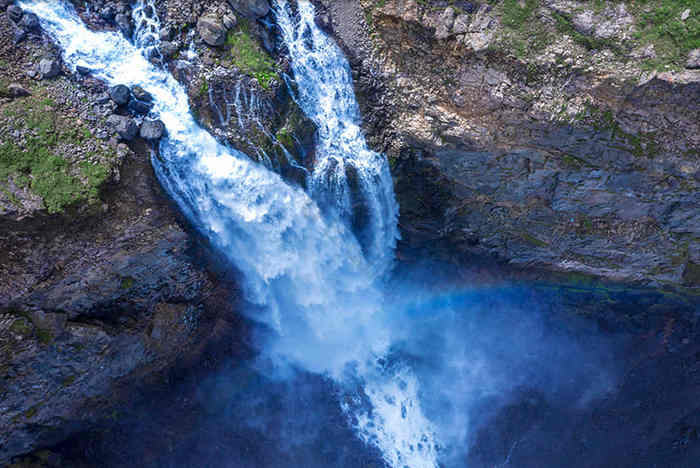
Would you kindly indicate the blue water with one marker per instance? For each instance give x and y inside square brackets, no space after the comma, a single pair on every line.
[318,286]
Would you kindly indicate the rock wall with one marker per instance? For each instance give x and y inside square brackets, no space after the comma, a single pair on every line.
[539,140]
[533,133]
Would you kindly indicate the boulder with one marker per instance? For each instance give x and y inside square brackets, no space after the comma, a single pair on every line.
[123,23]
[124,126]
[49,67]
[152,130]
[168,48]
[251,8]
[107,13]
[445,23]
[141,94]
[693,62]
[211,30]
[17,90]
[140,107]
[15,13]
[30,22]
[120,94]
[19,35]
[230,21]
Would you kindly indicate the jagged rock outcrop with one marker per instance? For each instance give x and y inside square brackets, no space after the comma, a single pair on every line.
[103,290]
[565,154]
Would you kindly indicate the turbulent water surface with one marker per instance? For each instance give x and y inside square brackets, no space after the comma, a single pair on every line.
[406,380]
[317,286]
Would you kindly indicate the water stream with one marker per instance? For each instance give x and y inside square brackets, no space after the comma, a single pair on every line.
[316,282]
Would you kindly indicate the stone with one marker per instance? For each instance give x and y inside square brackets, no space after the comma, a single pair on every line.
[141,94]
[445,23]
[251,8]
[125,126]
[102,98]
[230,21]
[15,13]
[123,23]
[107,13]
[693,62]
[120,94]
[17,90]
[166,33]
[152,130]
[49,67]
[19,35]
[140,107]
[30,22]
[82,70]
[211,30]
[461,24]
[685,15]
[169,48]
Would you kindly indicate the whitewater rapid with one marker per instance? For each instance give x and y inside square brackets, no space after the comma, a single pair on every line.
[317,285]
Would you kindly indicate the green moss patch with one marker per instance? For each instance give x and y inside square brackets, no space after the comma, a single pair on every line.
[249,57]
[659,23]
[39,159]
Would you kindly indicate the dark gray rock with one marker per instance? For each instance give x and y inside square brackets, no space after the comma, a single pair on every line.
[19,35]
[15,13]
[123,23]
[30,22]
[152,130]
[82,70]
[124,126]
[140,107]
[693,62]
[169,48]
[49,67]
[120,94]
[230,21]
[166,33]
[251,8]
[107,13]
[17,90]
[4,4]
[141,94]
[211,30]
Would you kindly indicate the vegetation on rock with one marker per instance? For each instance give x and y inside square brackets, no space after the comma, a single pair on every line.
[249,57]
[33,152]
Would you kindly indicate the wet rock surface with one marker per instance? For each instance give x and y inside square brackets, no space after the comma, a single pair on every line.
[533,160]
[152,130]
[117,311]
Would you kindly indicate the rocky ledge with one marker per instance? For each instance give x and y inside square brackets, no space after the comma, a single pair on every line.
[550,134]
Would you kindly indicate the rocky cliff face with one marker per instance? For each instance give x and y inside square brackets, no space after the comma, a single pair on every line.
[562,135]
[555,134]
[103,290]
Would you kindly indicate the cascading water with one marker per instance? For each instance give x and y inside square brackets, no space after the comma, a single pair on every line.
[147,31]
[308,271]
[325,94]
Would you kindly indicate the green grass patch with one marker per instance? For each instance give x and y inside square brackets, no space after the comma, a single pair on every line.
[659,23]
[249,56]
[515,15]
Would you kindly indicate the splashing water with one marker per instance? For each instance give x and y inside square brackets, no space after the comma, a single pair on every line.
[307,271]
[325,93]
[147,31]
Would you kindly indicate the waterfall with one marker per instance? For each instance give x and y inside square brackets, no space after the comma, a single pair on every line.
[147,28]
[346,174]
[306,270]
